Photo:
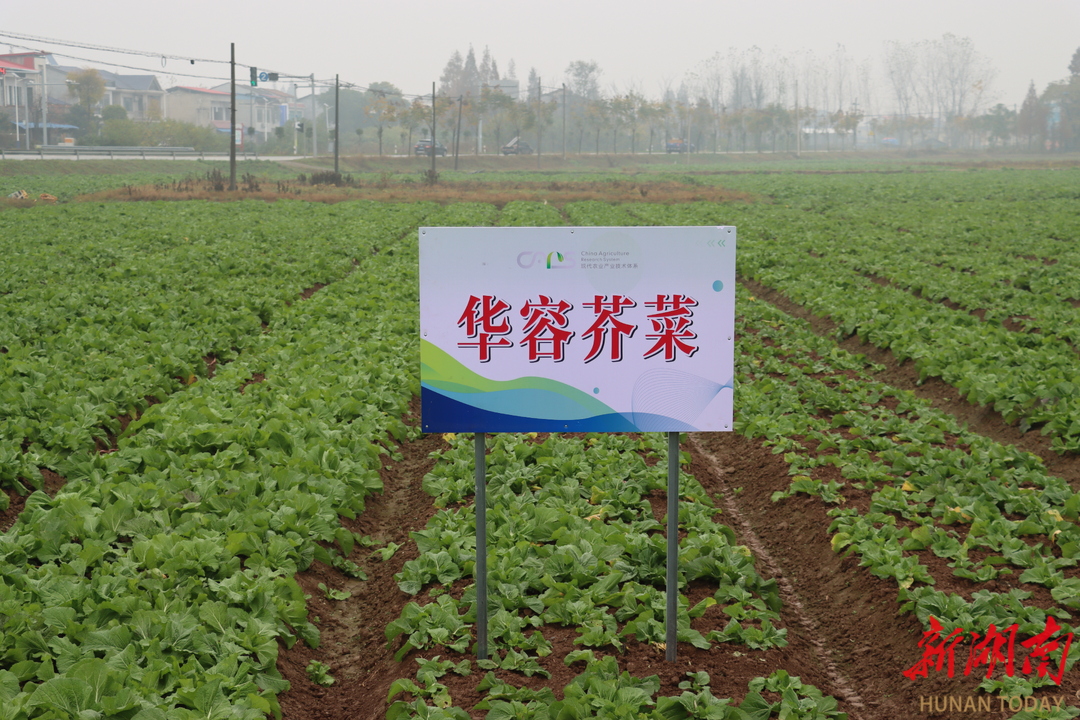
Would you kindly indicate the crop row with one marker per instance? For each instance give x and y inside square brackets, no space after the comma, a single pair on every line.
[106,310]
[160,578]
[908,485]
[573,543]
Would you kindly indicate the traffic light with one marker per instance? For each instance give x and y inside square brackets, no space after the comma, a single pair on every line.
[254,76]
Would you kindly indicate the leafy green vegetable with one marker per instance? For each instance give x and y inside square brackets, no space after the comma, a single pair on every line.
[319,673]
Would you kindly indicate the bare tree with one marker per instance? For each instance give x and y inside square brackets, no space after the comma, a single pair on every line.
[964,77]
[841,77]
[864,87]
[900,72]
[749,87]
[900,67]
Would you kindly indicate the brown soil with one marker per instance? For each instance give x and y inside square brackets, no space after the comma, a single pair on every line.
[851,615]
[52,483]
[308,292]
[845,635]
[361,661]
[498,193]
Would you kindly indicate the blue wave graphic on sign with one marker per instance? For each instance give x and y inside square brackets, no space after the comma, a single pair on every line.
[448,412]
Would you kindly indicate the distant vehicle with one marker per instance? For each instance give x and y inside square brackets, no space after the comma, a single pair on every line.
[679,146]
[517,146]
[424,147]
[891,141]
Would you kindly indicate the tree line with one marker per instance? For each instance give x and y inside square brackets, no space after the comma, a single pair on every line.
[932,93]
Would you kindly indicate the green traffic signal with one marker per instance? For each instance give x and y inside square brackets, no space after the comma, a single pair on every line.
[254,76]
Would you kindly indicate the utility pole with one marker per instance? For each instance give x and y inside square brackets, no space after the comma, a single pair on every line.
[314,125]
[689,120]
[433,145]
[232,116]
[539,118]
[564,121]
[457,133]
[18,138]
[798,131]
[855,129]
[26,100]
[45,105]
[337,133]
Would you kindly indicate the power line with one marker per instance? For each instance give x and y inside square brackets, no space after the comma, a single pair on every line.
[165,56]
[132,67]
[105,48]
[126,67]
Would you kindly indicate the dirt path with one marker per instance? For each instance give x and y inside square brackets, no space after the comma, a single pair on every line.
[850,615]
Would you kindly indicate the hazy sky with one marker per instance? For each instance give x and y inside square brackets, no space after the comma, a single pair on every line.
[636,42]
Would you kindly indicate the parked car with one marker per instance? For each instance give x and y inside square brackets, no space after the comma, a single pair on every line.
[517,146]
[424,147]
[679,146]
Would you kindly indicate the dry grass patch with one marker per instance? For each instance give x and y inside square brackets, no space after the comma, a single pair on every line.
[494,192]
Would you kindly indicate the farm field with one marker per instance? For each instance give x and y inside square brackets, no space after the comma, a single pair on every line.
[217,501]
[66,180]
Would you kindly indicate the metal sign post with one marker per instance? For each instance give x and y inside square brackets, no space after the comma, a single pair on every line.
[672,619]
[481,549]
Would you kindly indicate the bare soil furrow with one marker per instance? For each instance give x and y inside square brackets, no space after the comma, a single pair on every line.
[794,609]
[353,643]
[865,642]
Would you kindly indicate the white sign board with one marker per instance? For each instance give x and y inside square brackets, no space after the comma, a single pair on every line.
[577,329]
